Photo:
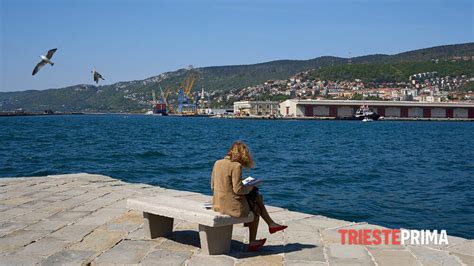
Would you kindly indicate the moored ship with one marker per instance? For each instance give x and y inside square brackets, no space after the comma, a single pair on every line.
[365,112]
[159,106]
[160,109]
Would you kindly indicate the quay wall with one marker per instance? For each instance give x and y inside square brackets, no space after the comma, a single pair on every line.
[345,109]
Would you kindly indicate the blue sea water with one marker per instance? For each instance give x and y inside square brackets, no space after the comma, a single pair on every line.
[396,174]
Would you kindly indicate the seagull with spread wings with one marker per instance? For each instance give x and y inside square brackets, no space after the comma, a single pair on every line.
[45,60]
[97,76]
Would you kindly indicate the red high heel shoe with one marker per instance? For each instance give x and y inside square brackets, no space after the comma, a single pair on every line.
[257,244]
[275,229]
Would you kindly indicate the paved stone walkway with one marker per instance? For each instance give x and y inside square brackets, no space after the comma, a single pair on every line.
[82,219]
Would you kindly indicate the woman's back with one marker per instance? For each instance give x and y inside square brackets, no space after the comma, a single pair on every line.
[233,198]
[228,189]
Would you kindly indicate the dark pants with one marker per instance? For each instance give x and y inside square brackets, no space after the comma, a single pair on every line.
[255,200]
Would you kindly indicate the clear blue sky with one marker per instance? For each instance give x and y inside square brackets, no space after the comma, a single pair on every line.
[129,40]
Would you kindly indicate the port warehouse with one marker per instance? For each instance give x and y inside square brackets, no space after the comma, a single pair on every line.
[347,108]
[397,109]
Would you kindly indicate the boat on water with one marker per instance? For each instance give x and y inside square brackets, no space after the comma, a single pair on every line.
[159,106]
[365,112]
[160,109]
[367,119]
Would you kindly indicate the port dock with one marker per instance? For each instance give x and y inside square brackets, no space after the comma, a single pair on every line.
[82,219]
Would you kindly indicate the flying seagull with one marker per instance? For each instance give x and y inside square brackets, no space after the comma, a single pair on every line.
[97,76]
[44,60]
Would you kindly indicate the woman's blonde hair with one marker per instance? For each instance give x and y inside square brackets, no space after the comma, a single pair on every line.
[239,152]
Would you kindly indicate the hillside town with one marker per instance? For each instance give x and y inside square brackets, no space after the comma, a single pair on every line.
[420,87]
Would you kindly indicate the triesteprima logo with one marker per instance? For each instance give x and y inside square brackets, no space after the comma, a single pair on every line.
[392,237]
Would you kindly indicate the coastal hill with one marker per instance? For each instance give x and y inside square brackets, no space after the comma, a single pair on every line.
[393,72]
[135,95]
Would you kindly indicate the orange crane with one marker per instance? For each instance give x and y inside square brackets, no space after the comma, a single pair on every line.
[189,81]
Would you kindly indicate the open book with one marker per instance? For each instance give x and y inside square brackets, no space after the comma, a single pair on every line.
[251,181]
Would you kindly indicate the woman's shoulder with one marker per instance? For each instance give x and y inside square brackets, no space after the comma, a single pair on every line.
[226,161]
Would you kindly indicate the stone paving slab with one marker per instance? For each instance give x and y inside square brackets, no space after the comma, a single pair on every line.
[73,232]
[44,247]
[394,257]
[100,217]
[10,260]
[464,251]
[7,227]
[304,252]
[48,225]
[68,216]
[13,212]
[81,219]
[19,239]
[127,222]
[166,257]
[99,241]
[435,257]
[349,254]
[70,257]
[260,260]
[203,260]
[125,252]
[304,263]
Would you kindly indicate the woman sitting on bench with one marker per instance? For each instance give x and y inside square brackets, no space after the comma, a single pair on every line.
[231,197]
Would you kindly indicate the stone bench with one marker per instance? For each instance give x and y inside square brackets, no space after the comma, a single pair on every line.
[215,229]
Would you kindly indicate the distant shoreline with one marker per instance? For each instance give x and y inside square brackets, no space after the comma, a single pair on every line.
[10,114]
[37,113]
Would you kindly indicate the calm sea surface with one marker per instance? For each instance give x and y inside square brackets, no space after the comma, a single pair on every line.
[397,174]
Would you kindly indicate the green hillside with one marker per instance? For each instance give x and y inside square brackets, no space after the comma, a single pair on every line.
[393,72]
[80,98]
[241,76]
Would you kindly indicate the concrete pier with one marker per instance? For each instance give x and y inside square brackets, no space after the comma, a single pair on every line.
[80,219]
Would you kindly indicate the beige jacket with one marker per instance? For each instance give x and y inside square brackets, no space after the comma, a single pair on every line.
[229,193]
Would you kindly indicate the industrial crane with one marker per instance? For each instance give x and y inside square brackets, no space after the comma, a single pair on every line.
[184,93]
